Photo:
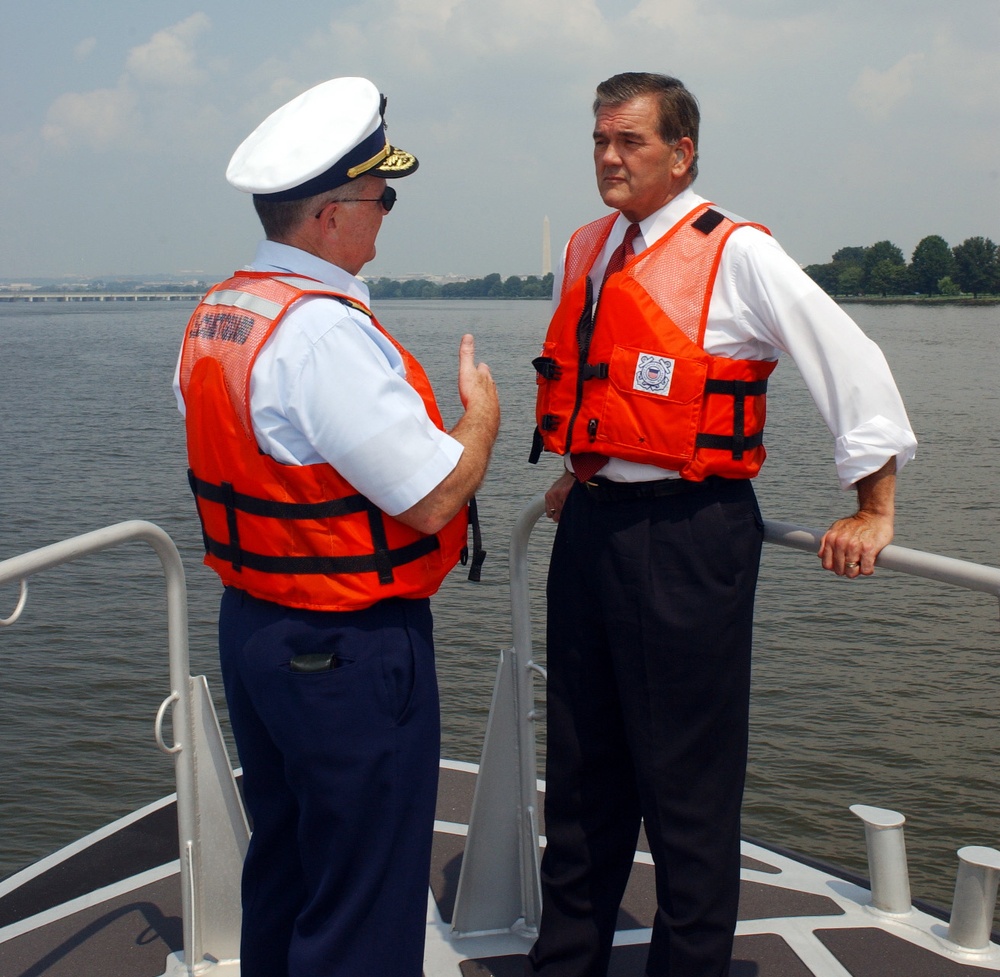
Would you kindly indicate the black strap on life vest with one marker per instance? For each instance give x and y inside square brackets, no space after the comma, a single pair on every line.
[739,441]
[381,560]
[478,553]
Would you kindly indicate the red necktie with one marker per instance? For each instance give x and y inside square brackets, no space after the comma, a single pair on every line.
[586,464]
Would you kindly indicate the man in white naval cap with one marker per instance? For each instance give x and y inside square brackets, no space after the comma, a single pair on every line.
[332,504]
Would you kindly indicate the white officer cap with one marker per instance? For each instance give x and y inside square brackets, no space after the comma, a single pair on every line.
[322,139]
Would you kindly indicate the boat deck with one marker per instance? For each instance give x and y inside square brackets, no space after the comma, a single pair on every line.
[110,906]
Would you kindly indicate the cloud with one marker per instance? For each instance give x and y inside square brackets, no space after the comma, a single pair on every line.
[118,117]
[85,48]
[741,33]
[168,58]
[877,93]
[96,119]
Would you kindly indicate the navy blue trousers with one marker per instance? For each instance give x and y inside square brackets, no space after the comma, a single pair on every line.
[340,780]
[650,611]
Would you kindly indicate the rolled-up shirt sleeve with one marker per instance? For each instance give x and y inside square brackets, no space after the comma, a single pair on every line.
[845,372]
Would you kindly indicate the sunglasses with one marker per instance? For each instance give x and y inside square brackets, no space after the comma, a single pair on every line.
[387,200]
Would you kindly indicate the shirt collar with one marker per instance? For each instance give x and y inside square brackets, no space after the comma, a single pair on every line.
[653,227]
[272,256]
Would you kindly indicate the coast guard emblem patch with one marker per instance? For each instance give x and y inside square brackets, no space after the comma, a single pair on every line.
[653,374]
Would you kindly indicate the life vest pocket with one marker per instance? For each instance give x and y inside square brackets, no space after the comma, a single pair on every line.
[652,406]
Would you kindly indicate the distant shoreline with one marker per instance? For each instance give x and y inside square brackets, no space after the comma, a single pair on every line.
[92,297]
[917,299]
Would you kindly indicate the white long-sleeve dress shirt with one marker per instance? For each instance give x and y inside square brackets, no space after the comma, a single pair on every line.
[763,305]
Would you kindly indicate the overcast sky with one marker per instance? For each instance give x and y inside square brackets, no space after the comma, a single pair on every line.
[834,122]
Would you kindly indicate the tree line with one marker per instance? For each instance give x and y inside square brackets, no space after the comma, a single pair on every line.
[972,267]
[490,287]
[935,268]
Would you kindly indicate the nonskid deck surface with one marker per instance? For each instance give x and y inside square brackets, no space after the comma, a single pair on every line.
[110,907]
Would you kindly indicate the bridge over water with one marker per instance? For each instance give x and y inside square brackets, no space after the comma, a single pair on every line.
[100,296]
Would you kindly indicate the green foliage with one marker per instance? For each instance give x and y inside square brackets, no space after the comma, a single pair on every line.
[931,262]
[490,287]
[851,280]
[976,268]
[826,276]
[882,251]
[935,269]
[850,256]
[888,277]
[414,288]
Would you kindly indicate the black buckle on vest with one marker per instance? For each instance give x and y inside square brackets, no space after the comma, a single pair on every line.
[594,371]
[547,368]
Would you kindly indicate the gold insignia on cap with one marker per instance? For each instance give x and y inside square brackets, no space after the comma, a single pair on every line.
[399,161]
[369,163]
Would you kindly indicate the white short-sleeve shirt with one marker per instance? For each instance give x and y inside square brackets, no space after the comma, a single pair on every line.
[329,387]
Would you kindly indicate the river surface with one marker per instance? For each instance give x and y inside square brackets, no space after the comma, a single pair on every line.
[883,691]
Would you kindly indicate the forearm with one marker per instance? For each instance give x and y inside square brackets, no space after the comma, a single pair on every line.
[476,432]
[877,491]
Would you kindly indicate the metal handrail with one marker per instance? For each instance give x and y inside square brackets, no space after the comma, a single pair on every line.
[20,568]
[515,678]
[914,563]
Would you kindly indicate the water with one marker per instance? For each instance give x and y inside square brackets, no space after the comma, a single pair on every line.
[881,691]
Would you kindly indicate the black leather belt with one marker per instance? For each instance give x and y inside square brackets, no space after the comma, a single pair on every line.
[602,490]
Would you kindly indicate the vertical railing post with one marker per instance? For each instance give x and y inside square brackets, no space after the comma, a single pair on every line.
[524,704]
[183,731]
[497,894]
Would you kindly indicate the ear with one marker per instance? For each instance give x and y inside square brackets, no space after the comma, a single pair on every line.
[327,213]
[324,229]
[683,156]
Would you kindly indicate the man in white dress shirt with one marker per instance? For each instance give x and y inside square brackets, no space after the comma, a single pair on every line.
[332,502]
[652,386]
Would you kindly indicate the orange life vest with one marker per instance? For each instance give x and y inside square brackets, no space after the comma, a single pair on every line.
[631,379]
[298,535]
